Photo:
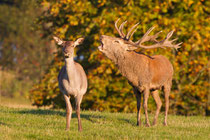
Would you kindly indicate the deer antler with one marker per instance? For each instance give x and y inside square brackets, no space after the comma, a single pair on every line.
[158,44]
[120,30]
[122,35]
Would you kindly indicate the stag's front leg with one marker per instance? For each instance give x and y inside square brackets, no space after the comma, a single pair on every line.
[146,96]
[138,99]
[68,111]
[78,102]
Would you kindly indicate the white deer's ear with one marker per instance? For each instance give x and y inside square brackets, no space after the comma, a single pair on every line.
[58,40]
[78,41]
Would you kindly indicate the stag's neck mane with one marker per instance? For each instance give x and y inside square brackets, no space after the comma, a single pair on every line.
[131,63]
[128,57]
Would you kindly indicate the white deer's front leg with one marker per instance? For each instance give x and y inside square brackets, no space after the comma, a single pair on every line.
[68,111]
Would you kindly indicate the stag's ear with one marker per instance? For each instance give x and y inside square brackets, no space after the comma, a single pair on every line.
[129,47]
[58,40]
[78,41]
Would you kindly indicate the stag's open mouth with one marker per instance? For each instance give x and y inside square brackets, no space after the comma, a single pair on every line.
[101,46]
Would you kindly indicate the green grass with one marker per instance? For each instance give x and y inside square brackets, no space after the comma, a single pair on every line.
[22,123]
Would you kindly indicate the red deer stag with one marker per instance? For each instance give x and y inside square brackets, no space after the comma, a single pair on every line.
[145,73]
[72,79]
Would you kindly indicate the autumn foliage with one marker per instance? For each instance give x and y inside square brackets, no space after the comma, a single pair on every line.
[107,89]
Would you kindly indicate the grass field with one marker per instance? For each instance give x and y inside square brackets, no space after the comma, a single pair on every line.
[31,123]
[50,124]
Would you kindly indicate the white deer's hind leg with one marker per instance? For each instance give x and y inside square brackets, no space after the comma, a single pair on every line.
[68,110]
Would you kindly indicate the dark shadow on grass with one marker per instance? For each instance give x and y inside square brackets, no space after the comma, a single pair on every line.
[128,121]
[88,117]
[91,118]
[41,112]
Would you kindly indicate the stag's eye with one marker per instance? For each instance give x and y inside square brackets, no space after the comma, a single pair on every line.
[116,41]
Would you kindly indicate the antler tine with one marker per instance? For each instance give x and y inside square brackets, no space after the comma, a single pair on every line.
[154,37]
[168,43]
[132,33]
[128,36]
[145,37]
[177,46]
[158,44]
[121,28]
[170,34]
[150,30]
[165,43]
[118,28]
[174,40]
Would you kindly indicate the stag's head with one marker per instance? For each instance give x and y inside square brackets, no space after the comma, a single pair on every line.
[68,46]
[111,45]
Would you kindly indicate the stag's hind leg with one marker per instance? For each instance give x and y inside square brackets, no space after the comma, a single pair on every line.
[68,110]
[167,90]
[78,102]
[158,102]
[138,99]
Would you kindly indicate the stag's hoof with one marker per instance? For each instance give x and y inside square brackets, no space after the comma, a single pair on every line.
[147,125]
[138,124]
[165,123]
[154,123]
[80,128]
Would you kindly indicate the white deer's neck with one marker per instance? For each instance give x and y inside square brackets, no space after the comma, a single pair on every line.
[69,61]
[70,68]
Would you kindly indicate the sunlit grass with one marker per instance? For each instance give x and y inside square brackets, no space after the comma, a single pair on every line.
[20,123]
[15,102]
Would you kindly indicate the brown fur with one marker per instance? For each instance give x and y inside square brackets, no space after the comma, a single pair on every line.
[144,73]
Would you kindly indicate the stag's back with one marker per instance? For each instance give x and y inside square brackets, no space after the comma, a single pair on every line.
[142,70]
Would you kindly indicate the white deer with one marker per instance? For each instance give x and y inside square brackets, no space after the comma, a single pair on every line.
[72,79]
